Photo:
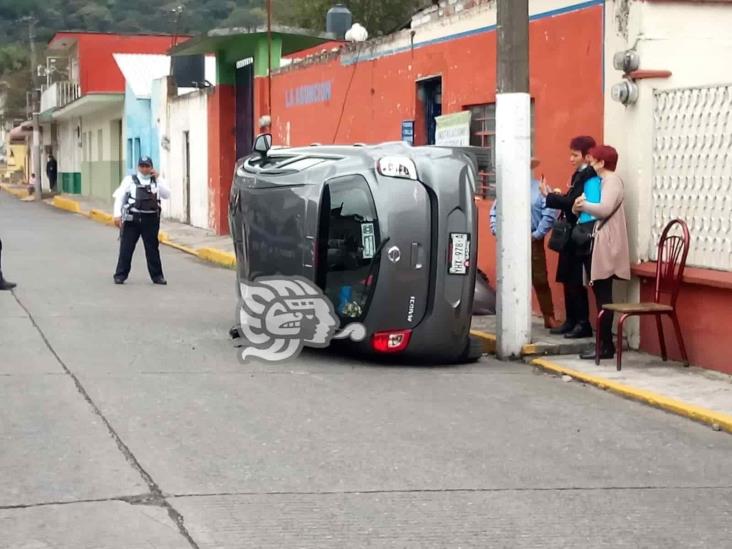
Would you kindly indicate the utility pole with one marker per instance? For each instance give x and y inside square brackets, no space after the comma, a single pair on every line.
[35,110]
[269,58]
[513,173]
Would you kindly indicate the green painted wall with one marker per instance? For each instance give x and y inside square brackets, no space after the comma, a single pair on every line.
[100,179]
[242,48]
[70,182]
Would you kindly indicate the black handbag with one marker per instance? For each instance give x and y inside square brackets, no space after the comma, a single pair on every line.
[561,234]
[582,236]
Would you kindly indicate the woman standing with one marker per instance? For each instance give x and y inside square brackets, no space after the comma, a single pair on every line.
[610,257]
[570,268]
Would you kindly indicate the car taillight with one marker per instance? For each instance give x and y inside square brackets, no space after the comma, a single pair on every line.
[394,341]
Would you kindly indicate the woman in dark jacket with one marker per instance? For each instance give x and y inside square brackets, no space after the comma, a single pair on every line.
[570,268]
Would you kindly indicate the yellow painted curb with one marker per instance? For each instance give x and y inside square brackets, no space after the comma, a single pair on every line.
[101,217]
[179,247]
[490,344]
[489,341]
[66,204]
[690,411]
[219,257]
[17,193]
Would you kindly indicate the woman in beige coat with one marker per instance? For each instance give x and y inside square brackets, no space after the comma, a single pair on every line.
[610,258]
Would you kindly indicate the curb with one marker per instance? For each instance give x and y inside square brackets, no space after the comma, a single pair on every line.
[714,419]
[530,349]
[17,193]
[488,341]
[66,204]
[218,257]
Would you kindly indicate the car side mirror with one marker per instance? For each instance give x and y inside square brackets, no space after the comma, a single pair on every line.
[263,144]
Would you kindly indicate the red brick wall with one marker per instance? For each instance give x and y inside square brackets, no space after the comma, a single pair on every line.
[566,85]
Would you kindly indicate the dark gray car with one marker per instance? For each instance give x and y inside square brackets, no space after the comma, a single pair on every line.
[388,232]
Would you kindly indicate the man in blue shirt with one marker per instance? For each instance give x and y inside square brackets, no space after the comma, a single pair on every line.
[542,221]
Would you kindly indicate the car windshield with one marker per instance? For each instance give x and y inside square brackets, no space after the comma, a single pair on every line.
[349,243]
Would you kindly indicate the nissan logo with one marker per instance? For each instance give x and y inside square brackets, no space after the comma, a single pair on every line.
[394,254]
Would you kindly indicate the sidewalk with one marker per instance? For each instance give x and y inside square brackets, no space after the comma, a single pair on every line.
[542,342]
[698,394]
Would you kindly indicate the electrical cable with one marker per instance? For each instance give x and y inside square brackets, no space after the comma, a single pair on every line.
[345,99]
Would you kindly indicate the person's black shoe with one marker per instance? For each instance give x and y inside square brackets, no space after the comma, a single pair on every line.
[606,353]
[565,328]
[583,330]
[119,280]
[160,281]
[5,285]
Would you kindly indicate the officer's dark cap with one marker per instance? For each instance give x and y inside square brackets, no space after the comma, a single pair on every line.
[145,161]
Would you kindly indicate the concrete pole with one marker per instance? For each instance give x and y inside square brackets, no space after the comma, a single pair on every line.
[36,161]
[513,174]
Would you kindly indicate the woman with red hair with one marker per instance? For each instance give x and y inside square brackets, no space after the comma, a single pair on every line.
[570,267]
[610,258]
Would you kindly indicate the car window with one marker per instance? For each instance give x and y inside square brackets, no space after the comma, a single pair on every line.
[349,239]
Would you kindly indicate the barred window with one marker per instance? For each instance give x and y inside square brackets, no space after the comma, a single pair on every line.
[483,134]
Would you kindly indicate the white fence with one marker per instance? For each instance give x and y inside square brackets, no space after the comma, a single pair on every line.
[692,170]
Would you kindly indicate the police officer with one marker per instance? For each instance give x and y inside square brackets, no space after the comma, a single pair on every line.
[137,214]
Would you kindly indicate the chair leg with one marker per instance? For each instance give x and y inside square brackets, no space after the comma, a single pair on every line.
[680,338]
[661,339]
[600,316]
[619,349]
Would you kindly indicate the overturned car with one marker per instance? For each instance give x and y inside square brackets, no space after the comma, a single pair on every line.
[388,233]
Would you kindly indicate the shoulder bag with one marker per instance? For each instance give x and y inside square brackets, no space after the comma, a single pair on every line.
[561,234]
[583,234]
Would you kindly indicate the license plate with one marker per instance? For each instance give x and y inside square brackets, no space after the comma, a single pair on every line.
[459,257]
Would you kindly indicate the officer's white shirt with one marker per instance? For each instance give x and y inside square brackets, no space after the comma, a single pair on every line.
[128,186]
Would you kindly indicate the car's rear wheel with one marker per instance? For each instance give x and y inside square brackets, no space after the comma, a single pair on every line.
[473,350]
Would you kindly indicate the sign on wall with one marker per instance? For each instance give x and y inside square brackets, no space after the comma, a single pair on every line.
[408,131]
[453,129]
[310,94]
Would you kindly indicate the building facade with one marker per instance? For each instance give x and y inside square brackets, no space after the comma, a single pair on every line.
[444,64]
[83,108]
[675,145]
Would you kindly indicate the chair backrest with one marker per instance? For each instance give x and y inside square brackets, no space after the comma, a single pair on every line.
[671,262]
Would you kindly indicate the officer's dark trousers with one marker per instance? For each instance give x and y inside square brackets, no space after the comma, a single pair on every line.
[146,226]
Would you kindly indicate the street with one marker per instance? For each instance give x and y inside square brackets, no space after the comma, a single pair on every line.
[128,421]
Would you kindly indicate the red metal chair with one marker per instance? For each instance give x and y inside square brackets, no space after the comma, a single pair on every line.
[672,253]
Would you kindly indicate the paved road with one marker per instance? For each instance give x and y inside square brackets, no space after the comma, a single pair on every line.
[127,421]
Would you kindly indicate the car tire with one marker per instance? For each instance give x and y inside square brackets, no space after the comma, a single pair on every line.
[473,351]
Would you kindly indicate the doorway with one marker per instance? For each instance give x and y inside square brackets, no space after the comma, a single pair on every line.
[187,177]
[429,107]
[244,107]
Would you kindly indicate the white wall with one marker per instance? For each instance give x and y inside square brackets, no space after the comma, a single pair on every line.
[186,113]
[693,41]
[91,126]
[69,151]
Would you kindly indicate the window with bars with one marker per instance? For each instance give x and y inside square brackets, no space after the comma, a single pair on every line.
[483,134]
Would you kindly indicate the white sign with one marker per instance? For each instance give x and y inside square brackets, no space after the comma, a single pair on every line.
[453,130]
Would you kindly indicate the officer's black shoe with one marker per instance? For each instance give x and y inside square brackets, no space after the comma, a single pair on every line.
[119,280]
[5,285]
[160,281]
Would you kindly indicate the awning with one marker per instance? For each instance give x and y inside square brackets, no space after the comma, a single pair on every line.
[88,104]
[240,43]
